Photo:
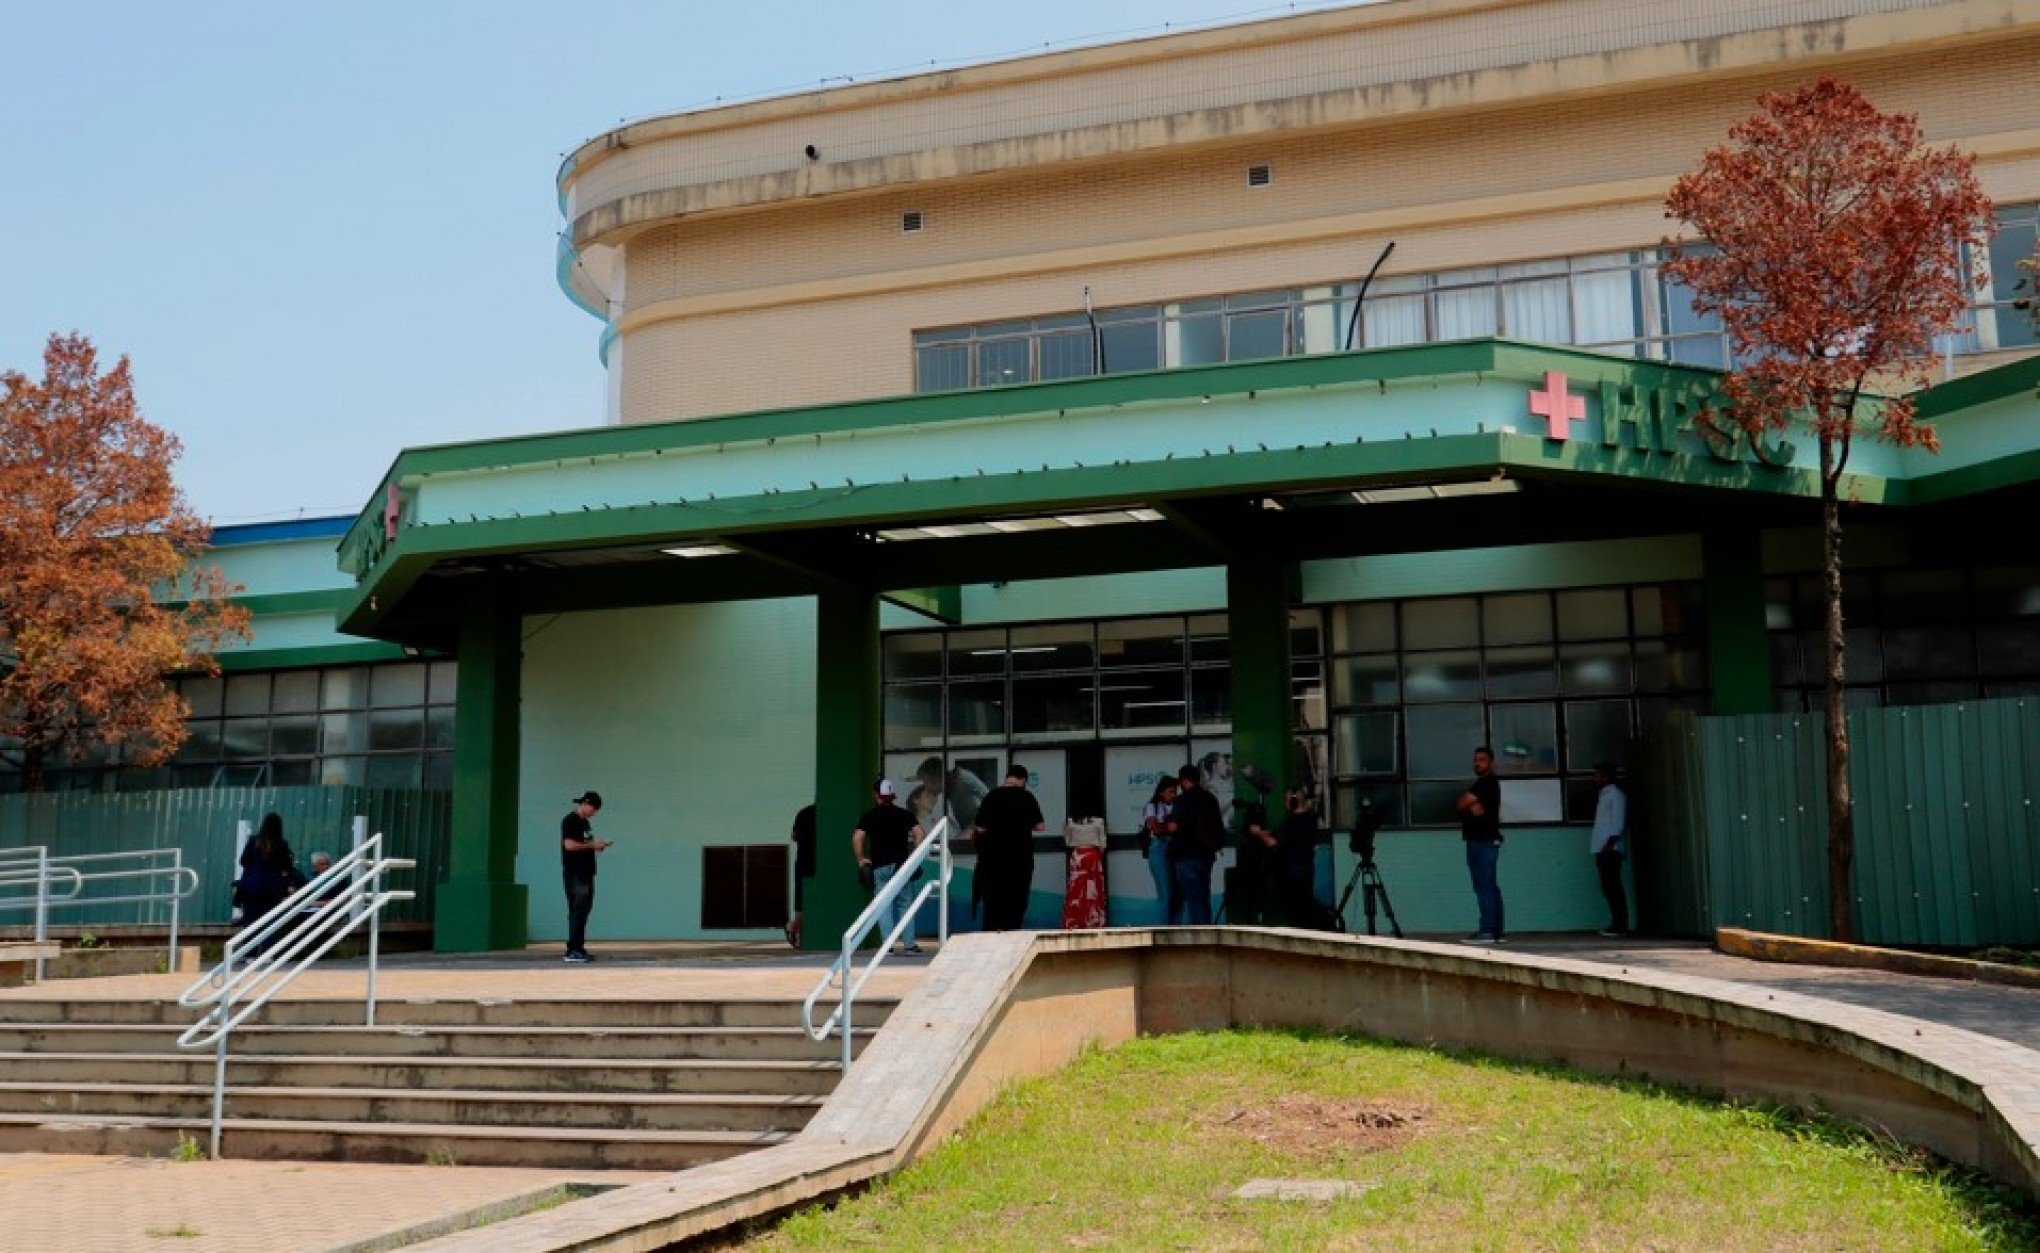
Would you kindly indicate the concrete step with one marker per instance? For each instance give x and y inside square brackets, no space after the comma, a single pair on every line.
[566,1149]
[467,1108]
[728,1043]
[475,1012]
[575,1073]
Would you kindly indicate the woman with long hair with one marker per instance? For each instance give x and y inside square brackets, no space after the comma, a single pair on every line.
[1154,821]
[268,871]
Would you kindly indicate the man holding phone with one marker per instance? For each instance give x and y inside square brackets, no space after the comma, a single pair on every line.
[578,847]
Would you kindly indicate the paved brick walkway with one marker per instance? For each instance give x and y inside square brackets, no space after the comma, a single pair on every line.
[124,1204]
[2008,1013]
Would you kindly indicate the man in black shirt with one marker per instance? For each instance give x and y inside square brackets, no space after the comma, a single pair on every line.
[1480,825]
[578,847]
[883,838]
[1258,885]
[1296,847]
[1006,821]
[1196,833]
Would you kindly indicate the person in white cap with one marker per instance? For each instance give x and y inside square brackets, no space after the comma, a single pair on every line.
[883,838]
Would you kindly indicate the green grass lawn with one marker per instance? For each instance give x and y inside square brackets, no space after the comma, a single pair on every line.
[1141,1147]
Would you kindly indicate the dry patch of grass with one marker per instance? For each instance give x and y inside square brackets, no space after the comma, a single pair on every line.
[1141,1147]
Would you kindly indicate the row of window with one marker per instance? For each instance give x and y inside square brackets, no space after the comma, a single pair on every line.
[1614,301]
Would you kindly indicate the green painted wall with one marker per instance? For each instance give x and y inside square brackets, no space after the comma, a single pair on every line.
[696,723]
[283,566]
[1523,567]
[1103,596]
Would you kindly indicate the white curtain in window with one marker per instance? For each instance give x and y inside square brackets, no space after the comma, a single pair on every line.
[1390,320]
[1538,311]
[1465,312]
[1604,307]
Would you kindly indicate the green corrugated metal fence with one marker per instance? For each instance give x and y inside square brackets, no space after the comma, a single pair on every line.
[1947,822]
[202,822]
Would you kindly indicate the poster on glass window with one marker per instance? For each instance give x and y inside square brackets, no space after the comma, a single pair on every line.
[1214,760]
[1048,777]
[1132,772]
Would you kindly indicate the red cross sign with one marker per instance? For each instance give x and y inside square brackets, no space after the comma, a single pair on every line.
[1557,406]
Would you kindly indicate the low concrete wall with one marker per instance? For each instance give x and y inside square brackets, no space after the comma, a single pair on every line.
[994,1009]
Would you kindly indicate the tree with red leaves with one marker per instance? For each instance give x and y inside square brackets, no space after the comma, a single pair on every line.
[99,599]
[1836,238]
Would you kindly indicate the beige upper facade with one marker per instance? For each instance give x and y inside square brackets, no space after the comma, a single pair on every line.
[739,273]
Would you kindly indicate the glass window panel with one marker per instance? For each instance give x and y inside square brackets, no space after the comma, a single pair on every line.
[1785,668]
[1141,642]
[1525,738]
[343,771]
[296,692]
[1064,646]
[395,685]
[203,742]
[1441,740]
[1668,667]
[1532,800]
[1003,361]
[1131,346]
[1595,731]
[2008,649]
[295,735]
[1436,804]
[1451,623]
[438,770]
[439,727]
[1933,692]
[1441,676]
[1923,597]
[1672,609]
[914,656]
[343,732]
[2012,327]
[1465,313]
[1592,669]
[1598,614]
[977,652]
[1709,352]
[1388,321]
[1256,336]
[2013,243]
[1607,307]
[203,695]
[913,716]
[247,694]
[1193,341]
[1347,798]
[1363,628]
[1210,638]
[391,730]
[1320,324]
[1514,672]
[292,773]
[2008,592]
[1306,633]
[445,682]
[344,689]
[1307,690]
[1540,311]
[1928,652]
[403,771]
[1066,355]
[944,368]
[1516,619]
[1862,658]
[1366,744]
[1369,680]
[1210,699]
[244,739]
[1057,705]
[1142,699]
[977,710]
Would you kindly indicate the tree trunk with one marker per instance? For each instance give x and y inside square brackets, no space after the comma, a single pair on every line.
[1841,806]
[33,758]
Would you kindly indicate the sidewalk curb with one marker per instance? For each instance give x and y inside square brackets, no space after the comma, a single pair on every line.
[1770,947]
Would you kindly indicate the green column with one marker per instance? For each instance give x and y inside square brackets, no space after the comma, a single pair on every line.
[1258,592]
[481,906]
[1738,643]
[847,755]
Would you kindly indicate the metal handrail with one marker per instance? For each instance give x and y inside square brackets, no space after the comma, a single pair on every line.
[263,958]
[838,974]
[16,873]
[182,883]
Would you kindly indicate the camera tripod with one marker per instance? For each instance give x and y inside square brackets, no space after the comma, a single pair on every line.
[1374,895]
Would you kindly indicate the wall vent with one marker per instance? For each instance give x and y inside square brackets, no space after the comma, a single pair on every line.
[910,222]
[1260,175]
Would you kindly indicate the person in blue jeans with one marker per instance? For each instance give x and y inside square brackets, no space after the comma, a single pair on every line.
[1154,821]
[883,838]
[1196,833]
[1480,825]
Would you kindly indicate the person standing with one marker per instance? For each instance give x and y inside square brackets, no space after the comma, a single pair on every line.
[1007,819]
[268,872]
[1154,823]
[578,847]
[883,838]
[1611,828]
[1196,833]
[1258,885]
[1296,843]
[1480,825]
[803,868]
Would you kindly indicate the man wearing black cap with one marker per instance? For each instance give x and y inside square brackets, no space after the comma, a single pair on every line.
[578,847]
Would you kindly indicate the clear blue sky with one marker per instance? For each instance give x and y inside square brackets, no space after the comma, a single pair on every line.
[265,205]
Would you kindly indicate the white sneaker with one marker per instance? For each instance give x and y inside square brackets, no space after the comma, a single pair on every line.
[1482,937]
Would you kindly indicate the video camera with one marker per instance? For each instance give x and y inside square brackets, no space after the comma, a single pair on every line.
[1366,825]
